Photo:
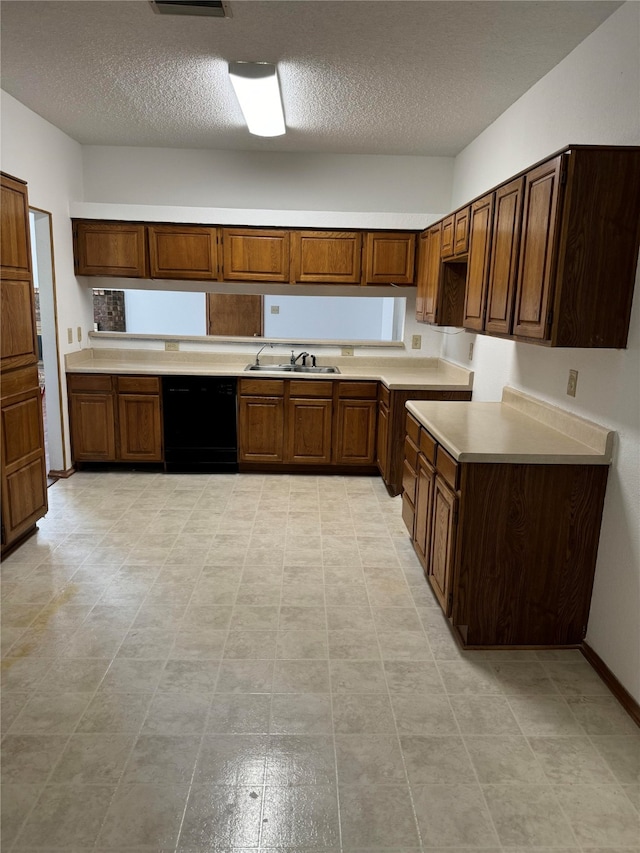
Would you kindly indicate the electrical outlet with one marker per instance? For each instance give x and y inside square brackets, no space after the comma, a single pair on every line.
[171,346]
[572,383]
[69,336]
[471,351]
[275,309]
[346,350]
[416,341]
[79,333]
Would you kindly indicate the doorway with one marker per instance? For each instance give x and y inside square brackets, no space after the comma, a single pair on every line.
[47,329]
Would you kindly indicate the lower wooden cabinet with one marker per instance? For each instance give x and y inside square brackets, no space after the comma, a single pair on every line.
[23,480]
[508,549]
[115,418]
[307,423]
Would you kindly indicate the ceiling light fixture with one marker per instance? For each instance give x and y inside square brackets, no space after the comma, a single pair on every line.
[256,87]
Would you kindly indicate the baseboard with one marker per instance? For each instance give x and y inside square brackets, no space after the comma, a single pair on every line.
[621,694]
[62,475]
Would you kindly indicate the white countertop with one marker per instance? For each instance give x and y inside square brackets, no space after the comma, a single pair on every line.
[520,429]
[396,373]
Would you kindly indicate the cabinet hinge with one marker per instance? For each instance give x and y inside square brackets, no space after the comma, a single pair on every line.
[584,631]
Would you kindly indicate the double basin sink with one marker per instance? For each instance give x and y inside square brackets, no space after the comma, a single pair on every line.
[291,368]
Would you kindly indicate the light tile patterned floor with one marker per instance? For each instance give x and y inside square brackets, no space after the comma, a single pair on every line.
[200,663]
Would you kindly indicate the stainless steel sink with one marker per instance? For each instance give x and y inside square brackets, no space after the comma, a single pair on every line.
[290,368]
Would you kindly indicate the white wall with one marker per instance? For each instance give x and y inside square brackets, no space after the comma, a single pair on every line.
[269,181]
[51,164]
[593,96]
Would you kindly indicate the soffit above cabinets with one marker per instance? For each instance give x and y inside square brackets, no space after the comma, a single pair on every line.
[412,78]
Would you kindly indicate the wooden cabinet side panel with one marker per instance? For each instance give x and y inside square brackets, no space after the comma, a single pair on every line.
[356,438]
[17,323]
[599,248]
[139,428]
[421,275]
[504,258]
[92,418]
[431,285]
[261,429]
[536,269]
[528,543]
[481,222]
[382,441]
[309,431]
[15,254]
[183,252]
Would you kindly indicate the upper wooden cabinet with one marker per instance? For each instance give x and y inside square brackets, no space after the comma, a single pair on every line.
[455,234]
[562,252]
[255,254]
[110,248]
[429,282]
[326,257]
[504,258]
[389,257]
[440,284]
[481,221]
[14,213]
[183,252]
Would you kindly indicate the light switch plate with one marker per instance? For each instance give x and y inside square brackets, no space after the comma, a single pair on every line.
[79,333]
[416,341]
[275,309]
[572,383]
[69,335]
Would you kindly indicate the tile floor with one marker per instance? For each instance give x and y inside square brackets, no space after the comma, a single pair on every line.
[197,663]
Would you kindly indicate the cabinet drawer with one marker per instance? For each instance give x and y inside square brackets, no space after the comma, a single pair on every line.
[411,452]
[413,430]
[447,467]
[384,396]
[89,382]
[262,387]
[19,381]
[138,384]
[358,390]
[310,388]
[428,445]
[409,480]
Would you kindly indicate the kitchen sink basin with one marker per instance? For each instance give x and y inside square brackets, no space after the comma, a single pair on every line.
[291,368]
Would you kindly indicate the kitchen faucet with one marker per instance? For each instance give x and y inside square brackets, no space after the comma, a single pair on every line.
[302,355]
[257,361]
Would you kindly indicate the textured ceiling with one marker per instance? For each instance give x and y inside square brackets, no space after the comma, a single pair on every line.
[395,77]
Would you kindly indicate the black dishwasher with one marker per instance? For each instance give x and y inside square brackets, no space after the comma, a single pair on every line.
[200,424]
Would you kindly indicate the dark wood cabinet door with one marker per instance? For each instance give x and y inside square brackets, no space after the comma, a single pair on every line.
[24,492]
[390,257]
[424,509]
[110,249]
[382,442]
[93,433]
[443,541]
[183,252]
[446,242]
[504,258]
[255,254]
[17,323]
[309,431]
[139,428]
[536,268]
[431,285]
[461,232]
[15,255]
[326,257]
[261,429]
[480,224]
[356,432]
[421,274]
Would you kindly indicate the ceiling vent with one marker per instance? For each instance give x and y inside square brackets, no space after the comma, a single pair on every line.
[204,8]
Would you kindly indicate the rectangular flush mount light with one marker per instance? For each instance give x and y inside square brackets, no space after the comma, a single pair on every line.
[257,90]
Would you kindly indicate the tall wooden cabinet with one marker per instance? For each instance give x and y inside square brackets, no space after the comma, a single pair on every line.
[23,483]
